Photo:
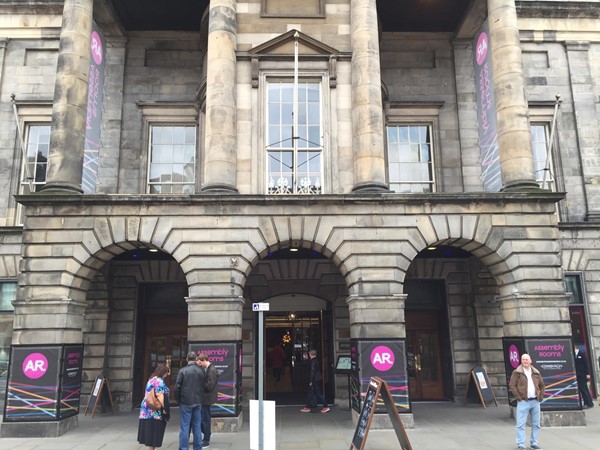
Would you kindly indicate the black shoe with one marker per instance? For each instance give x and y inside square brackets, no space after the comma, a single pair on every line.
[205,444]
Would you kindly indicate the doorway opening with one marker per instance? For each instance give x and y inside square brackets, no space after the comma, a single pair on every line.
[428,350]
[161,335]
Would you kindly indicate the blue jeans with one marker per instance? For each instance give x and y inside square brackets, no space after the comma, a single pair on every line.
[191,417]
[524,408]
[206,423]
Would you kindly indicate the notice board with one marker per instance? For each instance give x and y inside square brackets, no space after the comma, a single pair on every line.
[479,387]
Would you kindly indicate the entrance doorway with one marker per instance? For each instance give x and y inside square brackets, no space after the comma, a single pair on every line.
[295,334]
[424,356]
[161,335]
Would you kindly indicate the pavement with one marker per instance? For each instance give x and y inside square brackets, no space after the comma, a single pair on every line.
[438,426]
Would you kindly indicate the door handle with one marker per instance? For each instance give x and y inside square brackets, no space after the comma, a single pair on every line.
[418,362]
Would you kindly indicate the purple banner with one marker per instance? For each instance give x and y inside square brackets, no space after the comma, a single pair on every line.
[70,391]
[93,121]
[385,359]
[489,152]
[227,358]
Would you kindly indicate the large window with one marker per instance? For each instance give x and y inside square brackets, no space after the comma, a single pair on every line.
[294,145]
[539,144]
[172,162]
[8,293]
[37,143]
[410,158]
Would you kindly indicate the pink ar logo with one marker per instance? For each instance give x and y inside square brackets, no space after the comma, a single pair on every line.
[382,358]
[96,48]
[35,366]
[513,356]
[481,49]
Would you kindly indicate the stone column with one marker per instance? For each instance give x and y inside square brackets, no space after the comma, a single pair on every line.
[514,135]
[215,318]
[367,109]
[377,316]
[67,136]
[588,135]
[220,163]
[536,315]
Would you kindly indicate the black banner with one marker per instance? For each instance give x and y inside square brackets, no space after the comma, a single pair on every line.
[513,349]
[70,391]
[553,357]
[33,384]
[354,377]
[227,359]
[385,359]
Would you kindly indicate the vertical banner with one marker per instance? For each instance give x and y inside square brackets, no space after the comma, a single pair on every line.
[489,152]
[385,359]
[513,349]
[33,384]
[93,120]
[354,376]
[70,391]
[226,357]
[553,357]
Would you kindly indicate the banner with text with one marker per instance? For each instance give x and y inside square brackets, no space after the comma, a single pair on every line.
[70,391]
[93,122]
[227,359]
[489,151]
[553,357]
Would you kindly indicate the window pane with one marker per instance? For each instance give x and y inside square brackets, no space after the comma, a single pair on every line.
[410,145]
[172,159]
[8,293]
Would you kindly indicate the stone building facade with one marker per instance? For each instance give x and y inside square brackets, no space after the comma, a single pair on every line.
[323,156]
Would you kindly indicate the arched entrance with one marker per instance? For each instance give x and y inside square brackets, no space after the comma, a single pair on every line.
[307,298]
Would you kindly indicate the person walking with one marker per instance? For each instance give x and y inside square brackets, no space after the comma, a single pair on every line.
[527,386]
[314,387]
[152,422]
[209,396]
[189,388]
[582,370]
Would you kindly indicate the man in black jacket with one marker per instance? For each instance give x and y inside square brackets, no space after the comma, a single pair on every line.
[209,397]
[188,393]
[314,387]
[582,369]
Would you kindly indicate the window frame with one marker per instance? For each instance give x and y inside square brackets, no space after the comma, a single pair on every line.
[319,77]
[416,114]
[170,115]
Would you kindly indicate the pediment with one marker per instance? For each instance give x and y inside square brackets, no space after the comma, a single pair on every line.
[284,45]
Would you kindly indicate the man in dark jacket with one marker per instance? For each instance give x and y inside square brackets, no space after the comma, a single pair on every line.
[209,396]
[188,393]
[582,369]
[314,387]
[527,386]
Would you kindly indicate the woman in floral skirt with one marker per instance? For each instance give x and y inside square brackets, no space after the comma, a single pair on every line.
[152,423]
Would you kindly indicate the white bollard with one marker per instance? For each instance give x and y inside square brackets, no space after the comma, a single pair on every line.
[268,421]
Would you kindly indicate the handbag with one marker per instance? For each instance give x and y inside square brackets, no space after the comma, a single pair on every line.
[152,401]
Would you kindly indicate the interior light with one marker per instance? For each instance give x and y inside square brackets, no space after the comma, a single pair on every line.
[293,249]
[153,250]
[431,248]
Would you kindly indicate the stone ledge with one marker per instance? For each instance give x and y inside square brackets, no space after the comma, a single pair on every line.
[38,429]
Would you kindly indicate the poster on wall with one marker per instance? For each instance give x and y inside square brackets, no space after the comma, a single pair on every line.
[553,357]
[226,357]
[513,349]
[93,121]
[489,149]
[33,384]
[385,359]
[70,391]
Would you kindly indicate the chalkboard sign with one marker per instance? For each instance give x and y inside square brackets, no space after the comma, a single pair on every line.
[98,388]
[479,387]
[378,389]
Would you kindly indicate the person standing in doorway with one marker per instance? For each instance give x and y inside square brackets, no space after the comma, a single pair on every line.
[277,359]
[209,396]
[314,388]
[527,386]
[189,388]
[582,370]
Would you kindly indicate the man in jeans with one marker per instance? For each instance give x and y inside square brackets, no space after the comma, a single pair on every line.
[527,386]
[314,387]
[188,393]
